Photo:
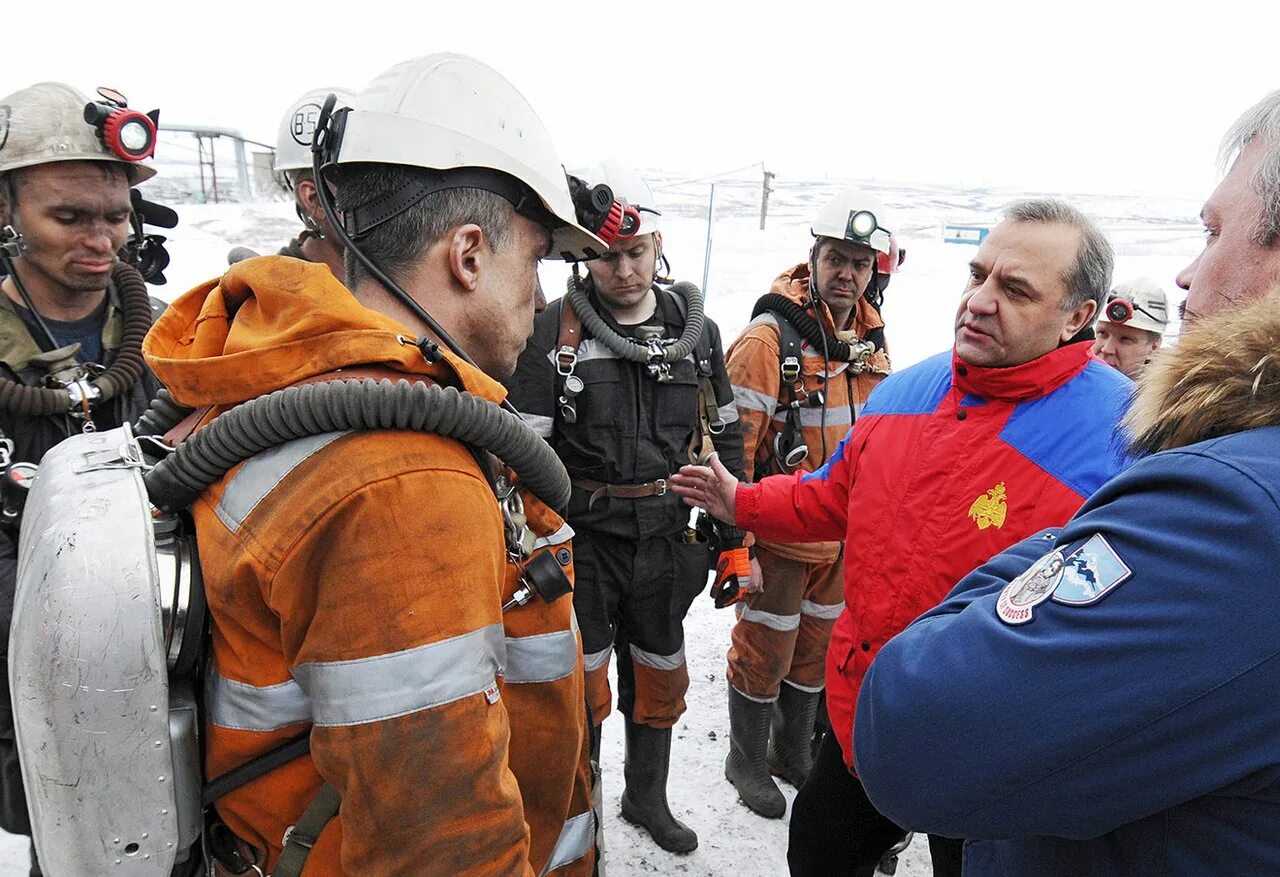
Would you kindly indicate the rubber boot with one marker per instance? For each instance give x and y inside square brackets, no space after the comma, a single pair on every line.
[790,752]
[644,800]
[745,765]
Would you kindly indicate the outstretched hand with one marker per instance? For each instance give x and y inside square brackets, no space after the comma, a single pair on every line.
[711,487]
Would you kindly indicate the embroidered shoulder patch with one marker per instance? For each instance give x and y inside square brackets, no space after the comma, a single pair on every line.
[1033,587]
[1090,573]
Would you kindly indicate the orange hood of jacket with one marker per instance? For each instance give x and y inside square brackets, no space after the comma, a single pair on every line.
[273,321]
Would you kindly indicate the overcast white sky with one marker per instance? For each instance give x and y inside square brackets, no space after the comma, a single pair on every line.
[1083,95]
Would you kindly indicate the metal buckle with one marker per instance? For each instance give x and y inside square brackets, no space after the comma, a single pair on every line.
[662,487]
[124,456]
[790,369]
[661,371]
[566,360]
[656,349]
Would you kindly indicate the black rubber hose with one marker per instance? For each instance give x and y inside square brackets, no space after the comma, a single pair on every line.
[135,306]
[335,406]
[162,415]
[807,326]
[629,348]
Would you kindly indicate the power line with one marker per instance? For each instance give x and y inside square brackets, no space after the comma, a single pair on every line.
[709,177]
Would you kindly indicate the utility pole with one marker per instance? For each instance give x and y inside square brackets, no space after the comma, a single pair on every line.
[764,195]
[706,259]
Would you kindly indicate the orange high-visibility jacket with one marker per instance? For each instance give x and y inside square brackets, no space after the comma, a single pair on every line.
[355,584]
[753,362]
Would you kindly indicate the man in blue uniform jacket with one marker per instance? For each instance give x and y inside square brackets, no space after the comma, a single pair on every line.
[1105,699]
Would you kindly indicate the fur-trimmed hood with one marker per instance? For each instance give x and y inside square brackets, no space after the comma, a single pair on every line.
[1222,377]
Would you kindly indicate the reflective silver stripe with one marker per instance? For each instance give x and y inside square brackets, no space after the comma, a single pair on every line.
[260,475]
[754,400]
[765,318]
[857,408]
[809,689]
[658,662]
[396,684]
[244,707]
[756,699]
[543,426]
[576,838]
[836,416]
[728,413]
[544,657]
[596,660]
[564,534]
[781,623]
[590,349]
[827,612]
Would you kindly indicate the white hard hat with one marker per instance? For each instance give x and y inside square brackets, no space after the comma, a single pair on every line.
[293,137]
[630,189]
[45,123]
[448,112]
[855,216]
[1139,303]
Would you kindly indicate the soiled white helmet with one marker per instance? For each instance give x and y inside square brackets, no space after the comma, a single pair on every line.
[293,137]
[45,123]
[448,112]
[630,189]
[856,216]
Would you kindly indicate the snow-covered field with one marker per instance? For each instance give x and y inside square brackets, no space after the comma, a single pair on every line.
[1153,236]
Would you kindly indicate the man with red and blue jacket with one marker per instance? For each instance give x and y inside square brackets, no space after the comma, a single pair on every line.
[1111,687]
[952,461]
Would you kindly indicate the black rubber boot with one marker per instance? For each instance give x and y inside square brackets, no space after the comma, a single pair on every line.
[644,800]
[790,750]
[745,766]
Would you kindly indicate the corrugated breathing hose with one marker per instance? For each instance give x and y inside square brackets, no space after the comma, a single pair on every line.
[629,348]
[337,406]
[124,372]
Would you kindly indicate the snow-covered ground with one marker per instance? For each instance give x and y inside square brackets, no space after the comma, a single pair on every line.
[1152,236]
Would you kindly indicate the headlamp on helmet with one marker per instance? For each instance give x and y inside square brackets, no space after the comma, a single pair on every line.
[129,134]
[861,224]
[1119,310]
[600,213]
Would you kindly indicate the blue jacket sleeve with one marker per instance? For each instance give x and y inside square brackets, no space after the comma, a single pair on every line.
[1088,717]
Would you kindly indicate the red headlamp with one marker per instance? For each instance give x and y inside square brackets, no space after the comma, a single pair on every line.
[129,134]
[1119,310]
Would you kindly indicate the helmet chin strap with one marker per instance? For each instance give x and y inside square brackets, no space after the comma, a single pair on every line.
[324,153]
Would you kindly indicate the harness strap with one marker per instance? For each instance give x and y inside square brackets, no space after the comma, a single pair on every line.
[187,425]
[304,834]
[570,328]
[701,445]
[791,370]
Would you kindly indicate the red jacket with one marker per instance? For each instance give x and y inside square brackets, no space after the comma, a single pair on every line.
[949,464]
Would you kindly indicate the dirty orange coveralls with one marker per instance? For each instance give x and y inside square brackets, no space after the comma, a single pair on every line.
[782,631]
[355,584]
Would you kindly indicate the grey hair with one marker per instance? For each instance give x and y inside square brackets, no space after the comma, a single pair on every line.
[398,243]
[1089,278]
[1260,120]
